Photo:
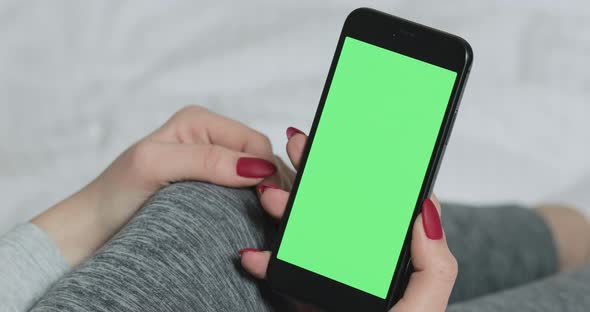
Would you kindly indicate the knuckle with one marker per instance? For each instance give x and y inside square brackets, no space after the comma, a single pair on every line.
[141,157]
[447,268]
[265,141]
[212,158]
[189,110]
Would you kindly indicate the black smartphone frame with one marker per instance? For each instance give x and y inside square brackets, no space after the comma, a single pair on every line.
[413,40]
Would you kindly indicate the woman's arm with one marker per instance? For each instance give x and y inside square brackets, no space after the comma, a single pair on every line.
[194,144]
[29,264]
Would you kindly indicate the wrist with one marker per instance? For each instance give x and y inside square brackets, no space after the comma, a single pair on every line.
[74,225]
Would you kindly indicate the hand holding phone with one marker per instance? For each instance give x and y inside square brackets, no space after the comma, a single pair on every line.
[368,168]
[435,267]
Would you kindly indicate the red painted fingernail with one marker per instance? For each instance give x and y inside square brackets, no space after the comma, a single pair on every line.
[431,220]
[250,167]
[241,252]
[264,186]
[291,131]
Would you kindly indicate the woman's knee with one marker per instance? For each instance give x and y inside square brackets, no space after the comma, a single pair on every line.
[186,237]
[205,210]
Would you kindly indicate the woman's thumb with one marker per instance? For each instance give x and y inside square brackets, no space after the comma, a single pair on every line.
[435,266]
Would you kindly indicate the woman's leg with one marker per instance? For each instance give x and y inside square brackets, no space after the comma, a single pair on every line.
[180,253]
[564,292]
[497,247]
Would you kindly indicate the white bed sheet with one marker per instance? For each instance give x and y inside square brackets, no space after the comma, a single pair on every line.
[82,80]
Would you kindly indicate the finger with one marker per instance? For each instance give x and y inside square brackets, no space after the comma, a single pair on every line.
[195,124]
[283,179]
[295,146]
[273,199]
[255,262]
[434,199]
[436,268]
[286,173]
[162,163]
[302,307]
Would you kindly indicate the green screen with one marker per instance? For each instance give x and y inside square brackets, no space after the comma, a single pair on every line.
[366,166]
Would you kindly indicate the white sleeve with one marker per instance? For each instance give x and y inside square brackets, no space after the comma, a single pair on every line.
[29,264]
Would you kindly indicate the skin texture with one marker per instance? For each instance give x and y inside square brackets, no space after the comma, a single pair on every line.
[436,268]
[195,144]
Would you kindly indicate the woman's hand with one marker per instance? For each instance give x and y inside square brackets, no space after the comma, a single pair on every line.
[194,144]
[435,267]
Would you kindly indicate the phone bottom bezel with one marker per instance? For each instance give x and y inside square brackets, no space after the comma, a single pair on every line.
[329,294]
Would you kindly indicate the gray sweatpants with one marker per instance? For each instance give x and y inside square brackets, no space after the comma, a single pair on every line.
[180,254]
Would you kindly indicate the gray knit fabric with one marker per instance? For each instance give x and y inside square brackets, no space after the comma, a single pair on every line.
[29,264]
[565,292]
[497,247]
[180,254]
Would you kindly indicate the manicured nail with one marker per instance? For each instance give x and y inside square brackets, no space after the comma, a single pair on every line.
[241,252]
[431,220]
[264,186]
[291,131]
[250,167]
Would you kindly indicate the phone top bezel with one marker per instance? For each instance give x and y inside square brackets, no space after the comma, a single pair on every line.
[413,40]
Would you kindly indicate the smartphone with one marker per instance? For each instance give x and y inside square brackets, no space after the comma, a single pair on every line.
[371,158]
